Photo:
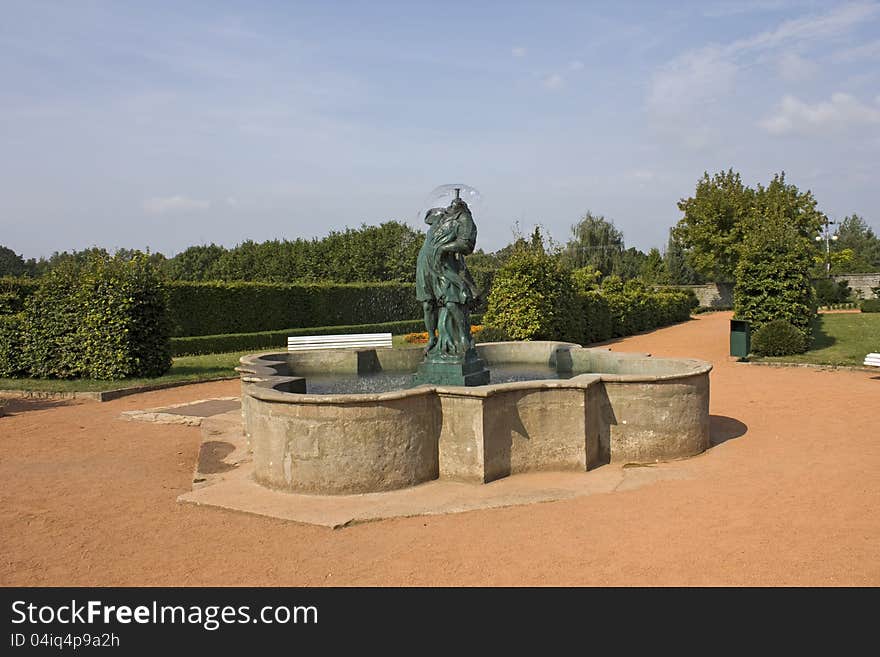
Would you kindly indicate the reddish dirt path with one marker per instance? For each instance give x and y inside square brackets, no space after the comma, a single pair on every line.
[87,499]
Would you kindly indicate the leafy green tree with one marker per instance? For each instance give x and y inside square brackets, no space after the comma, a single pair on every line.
[712,228]
[195,263]
[678,269]
[629,264]
[782,204]
[855,235]
[654,268]
[12,264]
[723,213]
[594,242]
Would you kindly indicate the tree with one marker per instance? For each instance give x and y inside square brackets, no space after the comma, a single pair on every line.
[594,242]
[629,264]
[723,213]
[654,269]
[12,264]
[713,223]
[855,234]
[678,268]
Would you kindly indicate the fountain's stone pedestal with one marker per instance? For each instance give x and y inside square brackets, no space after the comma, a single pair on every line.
[471,372]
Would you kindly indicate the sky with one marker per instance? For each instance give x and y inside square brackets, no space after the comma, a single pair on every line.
[166,124]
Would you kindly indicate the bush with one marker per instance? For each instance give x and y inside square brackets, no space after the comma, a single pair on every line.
[830,292]
[870,306]
[492,334]
[223,308]
[778,338]
[14,292]
[11,363]
[773,281]
[105,318]
[534,298]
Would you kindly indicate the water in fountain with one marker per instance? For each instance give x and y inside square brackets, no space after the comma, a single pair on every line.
[346,384]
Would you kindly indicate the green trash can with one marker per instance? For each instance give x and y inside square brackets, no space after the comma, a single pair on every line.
[740,338]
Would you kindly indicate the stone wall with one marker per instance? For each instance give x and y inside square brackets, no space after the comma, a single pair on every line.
[861,284]
[711,295]
[720,295]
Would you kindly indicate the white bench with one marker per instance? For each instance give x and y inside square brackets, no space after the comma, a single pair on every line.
[354,341]
[872,360]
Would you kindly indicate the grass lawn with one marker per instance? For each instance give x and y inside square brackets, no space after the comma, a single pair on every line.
[843,339]
[185,368]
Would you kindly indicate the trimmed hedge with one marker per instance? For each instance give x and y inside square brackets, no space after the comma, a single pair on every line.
[534,297]
[223,308]
[11,363]
[105,319]
[870,306]
[778,338]
[218,308]
[14,292]
[773,280]
[218,344]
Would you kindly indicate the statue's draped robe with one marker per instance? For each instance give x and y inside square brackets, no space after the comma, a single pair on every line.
[441,276]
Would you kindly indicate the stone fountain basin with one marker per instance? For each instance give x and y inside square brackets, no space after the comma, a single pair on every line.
[616,407]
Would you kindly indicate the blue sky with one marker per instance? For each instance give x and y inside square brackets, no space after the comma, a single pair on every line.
[166,124]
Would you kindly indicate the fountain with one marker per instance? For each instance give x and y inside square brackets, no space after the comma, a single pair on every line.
[336,422]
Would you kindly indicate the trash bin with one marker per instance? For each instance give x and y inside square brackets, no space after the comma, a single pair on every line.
[740,338]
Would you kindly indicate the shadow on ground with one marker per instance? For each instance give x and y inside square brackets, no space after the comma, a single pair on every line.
[17,405]
[821,339]
[211,455]
[723,428]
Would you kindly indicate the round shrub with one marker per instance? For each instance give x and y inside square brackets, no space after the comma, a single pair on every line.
[534,298]
[778,338]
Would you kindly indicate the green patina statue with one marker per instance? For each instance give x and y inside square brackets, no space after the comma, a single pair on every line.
[446,290]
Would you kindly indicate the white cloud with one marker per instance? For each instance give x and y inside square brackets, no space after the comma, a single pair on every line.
[870,50]
[688,93]
[691,80]
[575,65]
[171,204]
[518,51]
[726,9]
[794,68]
[809,28]
[554,81]
[841,112]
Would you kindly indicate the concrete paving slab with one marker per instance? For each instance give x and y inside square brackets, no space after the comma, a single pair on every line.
[223,479]
[189,413]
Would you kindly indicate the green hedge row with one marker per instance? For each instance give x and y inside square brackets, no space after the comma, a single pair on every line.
[14,292]
[104,318]
[535,297]
[217,344]
[222,308]
[870,306]
[11,361]
[217,308]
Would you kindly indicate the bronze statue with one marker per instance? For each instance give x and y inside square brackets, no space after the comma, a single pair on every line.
[443,282]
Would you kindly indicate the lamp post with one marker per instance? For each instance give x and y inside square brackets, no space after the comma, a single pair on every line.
[828,237]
